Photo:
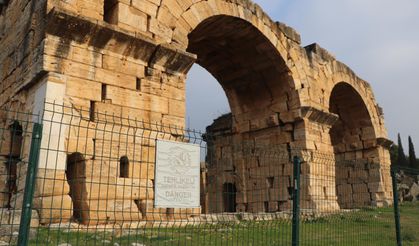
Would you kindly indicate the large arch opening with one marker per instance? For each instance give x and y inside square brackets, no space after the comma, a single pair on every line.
[350,137]
[246,64]
[76,178]
[205,99]
[259,87]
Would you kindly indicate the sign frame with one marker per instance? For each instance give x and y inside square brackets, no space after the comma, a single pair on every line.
[180,162]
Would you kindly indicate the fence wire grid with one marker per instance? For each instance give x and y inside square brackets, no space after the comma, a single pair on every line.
[94,183]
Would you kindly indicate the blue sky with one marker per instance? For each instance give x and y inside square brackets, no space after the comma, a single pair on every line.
[378,39]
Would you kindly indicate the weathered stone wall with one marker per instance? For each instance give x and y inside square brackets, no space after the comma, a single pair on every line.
[21,47]
[261,172]
[129,59]
[21,42]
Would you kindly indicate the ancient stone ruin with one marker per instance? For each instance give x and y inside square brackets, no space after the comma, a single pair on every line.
[407,186]
[130,59]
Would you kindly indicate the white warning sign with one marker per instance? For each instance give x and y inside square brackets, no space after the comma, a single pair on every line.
[177,175]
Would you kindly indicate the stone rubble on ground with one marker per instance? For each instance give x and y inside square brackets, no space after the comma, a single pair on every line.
[407,187]
[137,244]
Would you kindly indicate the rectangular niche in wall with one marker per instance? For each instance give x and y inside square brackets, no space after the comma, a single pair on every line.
[110,7]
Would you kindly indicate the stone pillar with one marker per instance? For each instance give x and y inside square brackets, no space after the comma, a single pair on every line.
[349,174]
[318,184]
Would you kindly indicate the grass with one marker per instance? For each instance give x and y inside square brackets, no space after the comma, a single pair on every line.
[365,227]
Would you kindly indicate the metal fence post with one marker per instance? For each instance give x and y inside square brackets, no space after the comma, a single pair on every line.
[396,206]
[296,203]
[26,215]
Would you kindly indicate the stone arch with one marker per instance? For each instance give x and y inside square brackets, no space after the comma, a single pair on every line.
[353,139]
[191,15]
[256,68]
[257,82]
[364,90]
[76,178]
[194,23]
[246,64]
[353,118]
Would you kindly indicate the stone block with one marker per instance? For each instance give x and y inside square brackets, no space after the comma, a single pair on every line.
[177,108]
[123,65]
[4,199]
[53,209]
[50,182]
[285,206]
[150,213]
[241,207]
[120,189]
[360,188]
[256,207]
[145,6]
[360,174]
[160,30]
[83,88]
[15,217]
[111,211]
[368,133]
[279,194]
[16,200]
[130,17]
[273,206]
[5,214]
[362,199]
[375,187]
[116,78]
[344,190]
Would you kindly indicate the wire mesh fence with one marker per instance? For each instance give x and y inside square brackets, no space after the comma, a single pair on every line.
[15,141]
[407,182]
[348,204]
[99,179]
[96,183]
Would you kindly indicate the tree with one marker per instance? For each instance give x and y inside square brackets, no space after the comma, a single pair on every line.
[401,157]
[394,155]
[413,163]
